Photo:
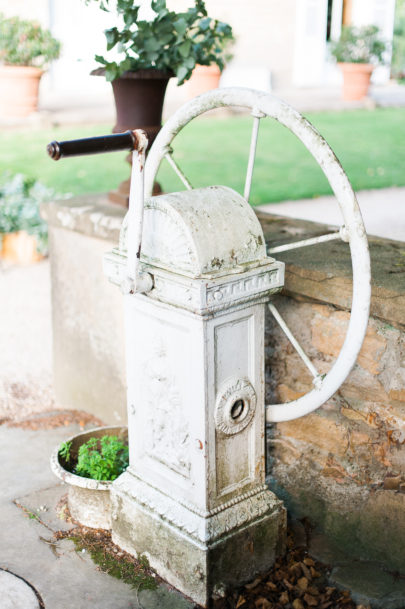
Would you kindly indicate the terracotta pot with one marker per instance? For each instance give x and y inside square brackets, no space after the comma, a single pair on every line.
[88,500]
[19,86]
[20,248]
[203,78]
[356,80]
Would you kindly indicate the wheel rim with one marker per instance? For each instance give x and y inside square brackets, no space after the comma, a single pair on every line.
[263,104]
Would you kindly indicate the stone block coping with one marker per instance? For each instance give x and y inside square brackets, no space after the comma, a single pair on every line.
[321,272]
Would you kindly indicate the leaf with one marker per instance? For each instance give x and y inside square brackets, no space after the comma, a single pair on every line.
[263,603]
[158,5]
[181,74]
[184,48]
[284,598]
[205,24]
[310,600]
[180,26]
[253,584]
[151,44]
[112,37]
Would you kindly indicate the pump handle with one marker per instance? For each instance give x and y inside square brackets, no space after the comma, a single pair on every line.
[94,145]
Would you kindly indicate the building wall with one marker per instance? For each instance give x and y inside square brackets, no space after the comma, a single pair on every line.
[278,44]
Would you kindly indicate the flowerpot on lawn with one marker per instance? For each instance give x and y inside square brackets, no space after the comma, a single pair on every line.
[356,80]
[19,86]
[88,499]
[19,248]
[203,78]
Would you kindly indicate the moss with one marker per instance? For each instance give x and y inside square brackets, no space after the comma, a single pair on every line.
[116,563]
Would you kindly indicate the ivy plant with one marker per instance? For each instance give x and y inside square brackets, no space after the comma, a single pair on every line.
[26,43]
[171,42]
[359,45]
[20,199]
[100,459]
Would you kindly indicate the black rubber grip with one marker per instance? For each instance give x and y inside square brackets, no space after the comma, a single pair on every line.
[92,145]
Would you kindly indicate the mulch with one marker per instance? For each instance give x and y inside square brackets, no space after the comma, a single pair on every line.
[296,581]
[54,419]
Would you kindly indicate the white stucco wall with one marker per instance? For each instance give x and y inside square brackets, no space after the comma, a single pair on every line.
[278,44]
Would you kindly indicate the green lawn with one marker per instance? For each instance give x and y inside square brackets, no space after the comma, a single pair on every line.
[369,143]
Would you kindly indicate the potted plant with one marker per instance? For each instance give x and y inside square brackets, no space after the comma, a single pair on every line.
[150,53]
[88,463]
[358,51]
[25,51]
[23,233]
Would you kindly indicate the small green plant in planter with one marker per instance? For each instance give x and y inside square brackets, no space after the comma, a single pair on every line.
[359,45]
[25,52]
[26,43]
[358,51]
[171,42]
[102,458]
[20,199]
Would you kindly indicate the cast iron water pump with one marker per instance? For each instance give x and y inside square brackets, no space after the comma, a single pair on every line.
[196,279]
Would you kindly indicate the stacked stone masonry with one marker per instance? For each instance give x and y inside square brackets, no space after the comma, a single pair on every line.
[343,466]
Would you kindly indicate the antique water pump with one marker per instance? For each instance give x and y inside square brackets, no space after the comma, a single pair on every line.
[196,276]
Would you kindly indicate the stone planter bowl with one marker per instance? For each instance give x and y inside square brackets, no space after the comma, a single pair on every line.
[88,500]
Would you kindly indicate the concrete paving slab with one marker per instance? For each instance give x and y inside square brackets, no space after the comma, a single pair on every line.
[43,505]
[383,211]
[370,585]
[15,593]
[62,577]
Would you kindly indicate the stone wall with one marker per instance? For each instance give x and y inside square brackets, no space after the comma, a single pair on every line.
[342,467]
[87,310]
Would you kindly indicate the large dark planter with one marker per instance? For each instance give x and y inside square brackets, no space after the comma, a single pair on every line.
[139,98]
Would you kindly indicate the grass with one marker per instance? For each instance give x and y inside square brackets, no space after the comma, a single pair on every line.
[369,143]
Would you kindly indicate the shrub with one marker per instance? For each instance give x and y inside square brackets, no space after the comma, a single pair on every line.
[171,42]
[20,199]
[359,45]
[26,43]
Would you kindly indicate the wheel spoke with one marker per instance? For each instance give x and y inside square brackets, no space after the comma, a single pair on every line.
[177,170]
[341,234]
[252,152]
[317,377]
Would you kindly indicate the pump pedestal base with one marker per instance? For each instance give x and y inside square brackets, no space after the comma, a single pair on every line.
[200,554]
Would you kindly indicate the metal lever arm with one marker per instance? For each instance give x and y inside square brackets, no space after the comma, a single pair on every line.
[128,140]
[137,141]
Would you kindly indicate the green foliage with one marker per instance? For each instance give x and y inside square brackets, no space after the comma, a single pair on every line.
[359,45]
[20,198]
[26,43]
[171,42]
[398,45]
[64,450]
[103,459]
